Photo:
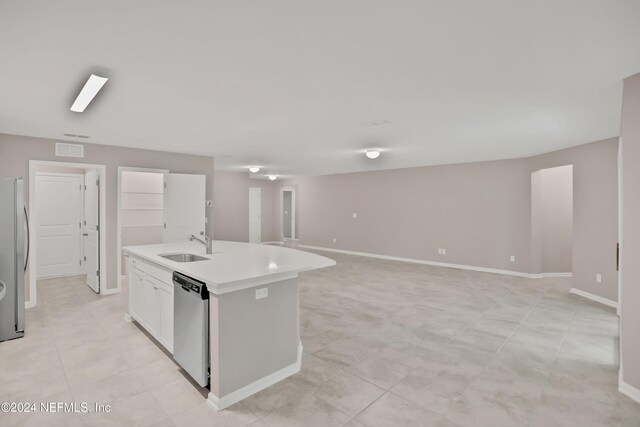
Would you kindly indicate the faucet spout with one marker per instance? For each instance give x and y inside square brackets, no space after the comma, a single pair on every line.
[207,242]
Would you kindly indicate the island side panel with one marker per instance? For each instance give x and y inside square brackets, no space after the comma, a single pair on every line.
[256,337]
[214,356]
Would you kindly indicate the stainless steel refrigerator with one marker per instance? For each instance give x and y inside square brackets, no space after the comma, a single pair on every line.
[12,258]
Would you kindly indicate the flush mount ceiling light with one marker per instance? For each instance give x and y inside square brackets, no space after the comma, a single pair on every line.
[372,154]
[254,169]
[272,177]
[88,92]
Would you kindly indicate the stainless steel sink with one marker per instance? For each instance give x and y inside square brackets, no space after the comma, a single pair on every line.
[183,257]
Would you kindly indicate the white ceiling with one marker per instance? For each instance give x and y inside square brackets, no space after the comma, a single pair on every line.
[289,84]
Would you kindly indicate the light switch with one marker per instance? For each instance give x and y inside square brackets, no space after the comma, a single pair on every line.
[262,293]
[355,215]
[598,278]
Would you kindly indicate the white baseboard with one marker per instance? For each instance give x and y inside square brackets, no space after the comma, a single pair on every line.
[434,263]
[109,291]
[127,317]
[219,403]
[594,297]
[557,274]
[629,390]
[275,242]
[29,304]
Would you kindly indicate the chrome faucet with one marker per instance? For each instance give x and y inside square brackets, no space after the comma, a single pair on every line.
[207,241]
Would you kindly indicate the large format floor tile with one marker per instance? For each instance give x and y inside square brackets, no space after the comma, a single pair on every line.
[385,344]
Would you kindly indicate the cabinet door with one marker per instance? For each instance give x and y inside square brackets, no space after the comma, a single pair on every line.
[136,295]
[152,307]
[166,317]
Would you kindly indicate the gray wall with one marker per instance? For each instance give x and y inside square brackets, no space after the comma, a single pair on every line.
[481,213]
[16,151]
[231,206]
[630,315]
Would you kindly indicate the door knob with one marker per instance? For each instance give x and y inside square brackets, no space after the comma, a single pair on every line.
[85,234]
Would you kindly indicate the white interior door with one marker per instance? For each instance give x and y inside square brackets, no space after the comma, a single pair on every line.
[184,206]
[91,231]
[58,204]
[255,215]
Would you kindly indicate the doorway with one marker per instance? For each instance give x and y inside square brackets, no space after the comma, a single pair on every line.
[255,215]
[552,221]
[288,213]
[140,211]
[67,218]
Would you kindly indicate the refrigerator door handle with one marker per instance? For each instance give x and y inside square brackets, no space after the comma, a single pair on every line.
[26,221]
[3,290]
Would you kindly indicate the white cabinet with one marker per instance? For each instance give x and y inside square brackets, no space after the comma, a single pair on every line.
[136,294]
[151,307]
[166,317]
[151,300]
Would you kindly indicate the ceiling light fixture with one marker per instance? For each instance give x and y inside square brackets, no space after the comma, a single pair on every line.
[88,92]
[254,169]
[372,154]
[272,177]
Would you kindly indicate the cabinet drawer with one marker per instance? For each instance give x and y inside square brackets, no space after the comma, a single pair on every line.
[135,263]
[165,276]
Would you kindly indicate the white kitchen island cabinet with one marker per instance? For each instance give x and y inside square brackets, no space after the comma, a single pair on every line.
[151,300]
[254,308]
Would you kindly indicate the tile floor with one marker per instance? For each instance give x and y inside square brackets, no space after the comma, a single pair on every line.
[386,344]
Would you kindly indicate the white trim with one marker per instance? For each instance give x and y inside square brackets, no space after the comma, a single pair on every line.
[434,263]
[29,304]
[620,251]
[272,242]
[569,274]
[293,211]
[127,317]
[119,219]
[593,297]
[219,403]
[629,390]
[102,172]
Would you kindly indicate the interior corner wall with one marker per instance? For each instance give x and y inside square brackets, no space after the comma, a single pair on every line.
[481,213]
[595,212]
[16,152]
[630,295]
[231,206]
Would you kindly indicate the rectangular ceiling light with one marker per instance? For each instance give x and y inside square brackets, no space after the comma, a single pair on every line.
[88,92]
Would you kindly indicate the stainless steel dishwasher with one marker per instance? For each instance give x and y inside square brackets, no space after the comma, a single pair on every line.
[191,326]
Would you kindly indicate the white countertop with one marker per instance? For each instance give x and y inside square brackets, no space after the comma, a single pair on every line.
[233,265]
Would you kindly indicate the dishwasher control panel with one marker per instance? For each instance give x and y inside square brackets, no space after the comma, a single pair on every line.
[191,285]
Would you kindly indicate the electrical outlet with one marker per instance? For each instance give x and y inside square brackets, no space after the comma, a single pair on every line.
[444,252]
[335,240]
[355,215]
[439,251]
[598,278]
[512,258]
[262,293]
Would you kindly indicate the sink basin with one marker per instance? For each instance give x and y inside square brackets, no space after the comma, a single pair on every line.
[183,257]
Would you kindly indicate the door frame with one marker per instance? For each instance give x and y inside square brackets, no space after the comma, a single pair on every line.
[119,213]
[33,213]
[35,216]
[292,189]
[260,223]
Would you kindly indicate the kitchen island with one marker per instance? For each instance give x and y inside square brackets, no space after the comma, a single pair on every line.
[254,315]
